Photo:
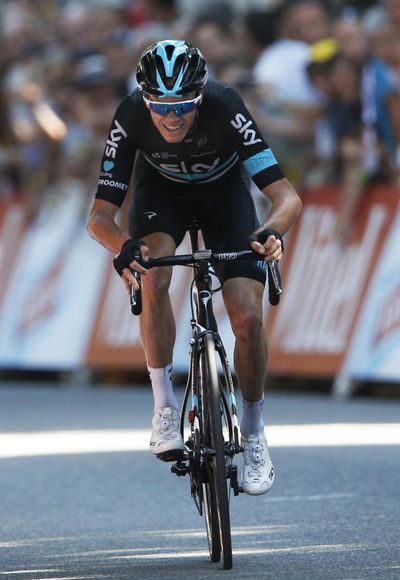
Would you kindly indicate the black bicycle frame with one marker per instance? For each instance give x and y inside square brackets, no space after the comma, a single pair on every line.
[203,321]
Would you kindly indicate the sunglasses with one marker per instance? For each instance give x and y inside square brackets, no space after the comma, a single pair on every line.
[180,108]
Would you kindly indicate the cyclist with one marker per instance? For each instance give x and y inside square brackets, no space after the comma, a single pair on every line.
[192,147]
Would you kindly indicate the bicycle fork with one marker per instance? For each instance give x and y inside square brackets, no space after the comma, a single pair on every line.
[196,455]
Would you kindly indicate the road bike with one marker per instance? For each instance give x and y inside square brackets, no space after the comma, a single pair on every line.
[208,419]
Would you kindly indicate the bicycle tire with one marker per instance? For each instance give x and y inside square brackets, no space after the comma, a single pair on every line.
[211,519]
[208,495]
[216,467]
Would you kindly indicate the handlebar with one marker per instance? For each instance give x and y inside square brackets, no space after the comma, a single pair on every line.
[274,278]
[199,256]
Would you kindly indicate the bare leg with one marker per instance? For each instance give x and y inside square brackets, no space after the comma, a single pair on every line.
[157,326]
[157,322]
[243,301]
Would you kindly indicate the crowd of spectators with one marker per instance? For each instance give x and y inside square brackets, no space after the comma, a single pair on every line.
[322,80]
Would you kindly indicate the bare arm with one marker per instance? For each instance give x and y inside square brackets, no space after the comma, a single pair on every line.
[103,228]
[286,207]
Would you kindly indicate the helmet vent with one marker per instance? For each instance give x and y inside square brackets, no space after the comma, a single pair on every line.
[169,51]
[171,68]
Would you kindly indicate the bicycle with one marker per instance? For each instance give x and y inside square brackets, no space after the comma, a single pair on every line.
[211,422]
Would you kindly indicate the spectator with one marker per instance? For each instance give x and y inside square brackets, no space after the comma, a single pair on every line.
[296,21]
[351,37]
[10,171]
[165,11]
[117,51]
[383,12]
[290,103]
[95,101]
[65,63]
[215,39]
[386,46]
[359,124]
[256,31]
[378,57]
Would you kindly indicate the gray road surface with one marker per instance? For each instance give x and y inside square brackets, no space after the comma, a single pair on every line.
[333,513]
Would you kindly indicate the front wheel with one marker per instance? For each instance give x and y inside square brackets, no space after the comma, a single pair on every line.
[217,500]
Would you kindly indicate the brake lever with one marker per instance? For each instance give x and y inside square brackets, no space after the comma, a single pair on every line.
[274,283]
[136,296]
[136,293]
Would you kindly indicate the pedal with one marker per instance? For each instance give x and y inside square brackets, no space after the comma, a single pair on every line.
[180,468]
[172,455]
[233,475]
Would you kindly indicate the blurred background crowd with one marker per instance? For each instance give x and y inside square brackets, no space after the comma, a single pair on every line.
[322,80]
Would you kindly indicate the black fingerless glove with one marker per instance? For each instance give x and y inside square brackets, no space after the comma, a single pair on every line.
[264,234]
[130,251]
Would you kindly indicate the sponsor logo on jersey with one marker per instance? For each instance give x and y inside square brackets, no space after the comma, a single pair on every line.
[196,168]
[116,135]
[243,126]
[201,142]
[150,214]
[112,183]
[203,154]
[108,165]
[163,155]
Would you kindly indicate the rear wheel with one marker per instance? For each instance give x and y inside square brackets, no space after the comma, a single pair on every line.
[216,500]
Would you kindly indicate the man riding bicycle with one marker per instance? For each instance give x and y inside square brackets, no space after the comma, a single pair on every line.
[192,147]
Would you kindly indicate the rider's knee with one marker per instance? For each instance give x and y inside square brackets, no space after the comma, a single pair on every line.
[156,282]
[247,324]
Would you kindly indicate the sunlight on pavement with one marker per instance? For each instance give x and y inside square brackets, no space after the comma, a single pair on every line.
[16,573]
[111,441]
[167,547]
[251,551]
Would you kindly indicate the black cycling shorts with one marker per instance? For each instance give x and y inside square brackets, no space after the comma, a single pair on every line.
[224,209]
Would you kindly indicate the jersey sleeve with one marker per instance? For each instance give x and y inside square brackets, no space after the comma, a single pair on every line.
[119,155]
[253,150]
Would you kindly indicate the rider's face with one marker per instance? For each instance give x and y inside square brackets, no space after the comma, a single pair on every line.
[172,127]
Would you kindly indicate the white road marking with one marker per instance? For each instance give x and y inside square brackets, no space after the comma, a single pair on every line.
[28,444]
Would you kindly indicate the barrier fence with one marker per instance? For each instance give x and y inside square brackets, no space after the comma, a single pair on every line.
[63,307]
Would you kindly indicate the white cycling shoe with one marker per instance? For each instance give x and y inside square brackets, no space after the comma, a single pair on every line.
[166,441]
[258,473]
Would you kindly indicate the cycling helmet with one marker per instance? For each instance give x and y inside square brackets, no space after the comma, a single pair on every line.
[171,68]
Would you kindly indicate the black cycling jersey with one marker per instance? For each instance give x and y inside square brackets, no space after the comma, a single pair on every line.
[223,135]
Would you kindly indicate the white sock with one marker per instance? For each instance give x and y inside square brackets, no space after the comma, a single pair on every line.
[252,421]
[163,392]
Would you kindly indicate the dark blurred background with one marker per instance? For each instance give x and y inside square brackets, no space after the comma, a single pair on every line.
[65,65]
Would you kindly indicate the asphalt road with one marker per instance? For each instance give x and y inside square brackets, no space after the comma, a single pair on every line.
[81,497]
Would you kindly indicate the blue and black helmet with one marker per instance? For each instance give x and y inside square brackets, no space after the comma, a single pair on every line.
[171,68]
